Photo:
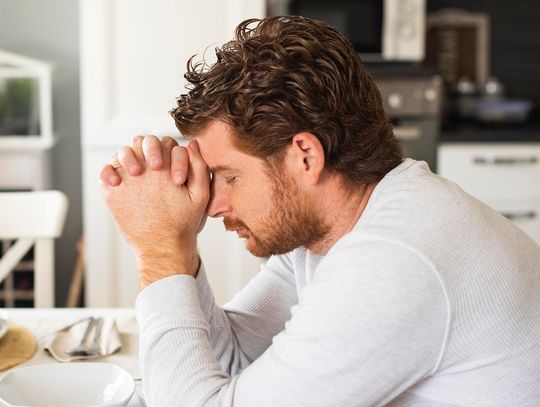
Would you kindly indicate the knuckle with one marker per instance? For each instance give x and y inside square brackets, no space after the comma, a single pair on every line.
[150,143]
[200,165]
[168,141]
[125,151]
[137,140]
[104,171]
[154,150]
[179,153]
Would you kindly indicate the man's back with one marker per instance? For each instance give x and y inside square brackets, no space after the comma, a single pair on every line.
[489,271]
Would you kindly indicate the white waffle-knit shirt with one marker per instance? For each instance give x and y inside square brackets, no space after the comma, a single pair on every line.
[433,299]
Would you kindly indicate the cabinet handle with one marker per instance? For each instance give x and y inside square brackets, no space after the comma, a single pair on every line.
[505,160]
[519,215]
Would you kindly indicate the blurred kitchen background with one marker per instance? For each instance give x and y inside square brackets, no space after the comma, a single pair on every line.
[78,79]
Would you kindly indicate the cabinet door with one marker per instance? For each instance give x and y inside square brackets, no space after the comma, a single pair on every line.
[504,176]
[493,172]
[133,57]
[524,215]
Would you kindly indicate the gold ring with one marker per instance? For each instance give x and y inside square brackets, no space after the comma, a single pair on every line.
[114,162]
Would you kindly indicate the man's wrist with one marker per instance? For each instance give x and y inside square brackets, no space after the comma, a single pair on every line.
[166,261]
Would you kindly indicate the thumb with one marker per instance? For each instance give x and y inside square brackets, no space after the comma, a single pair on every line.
[198,178]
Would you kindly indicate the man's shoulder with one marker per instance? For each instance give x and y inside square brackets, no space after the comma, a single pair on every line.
[362,255]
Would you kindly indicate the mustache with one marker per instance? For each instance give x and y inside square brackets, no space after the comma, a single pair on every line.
[232,225]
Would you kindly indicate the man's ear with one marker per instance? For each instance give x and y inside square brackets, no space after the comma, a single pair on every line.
[307,157]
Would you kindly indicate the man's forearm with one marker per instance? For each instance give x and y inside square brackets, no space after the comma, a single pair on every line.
[165,261]
[243,329]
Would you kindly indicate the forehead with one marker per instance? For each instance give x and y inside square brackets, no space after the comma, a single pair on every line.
[217,148]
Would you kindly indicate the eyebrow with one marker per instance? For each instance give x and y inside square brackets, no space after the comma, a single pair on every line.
[220,168]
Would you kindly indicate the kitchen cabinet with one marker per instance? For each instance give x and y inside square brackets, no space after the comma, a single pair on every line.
[506,176]
[133,57]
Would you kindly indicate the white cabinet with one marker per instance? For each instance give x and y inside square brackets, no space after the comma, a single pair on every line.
[506,176]
[133,57]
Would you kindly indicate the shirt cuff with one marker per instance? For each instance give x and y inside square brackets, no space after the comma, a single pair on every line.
[171,296]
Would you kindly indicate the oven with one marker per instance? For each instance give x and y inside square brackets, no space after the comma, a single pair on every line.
[412,100]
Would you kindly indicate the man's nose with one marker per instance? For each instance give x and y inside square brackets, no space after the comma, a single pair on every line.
[219,205]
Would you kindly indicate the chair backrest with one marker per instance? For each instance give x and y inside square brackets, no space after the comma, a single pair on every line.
[33,219]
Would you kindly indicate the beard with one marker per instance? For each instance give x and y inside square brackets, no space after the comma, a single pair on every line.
[292,221]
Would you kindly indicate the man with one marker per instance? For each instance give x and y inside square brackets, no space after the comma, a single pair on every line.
[386,284]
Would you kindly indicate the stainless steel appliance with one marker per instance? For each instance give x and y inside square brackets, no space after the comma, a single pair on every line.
[412,100]
[380,30]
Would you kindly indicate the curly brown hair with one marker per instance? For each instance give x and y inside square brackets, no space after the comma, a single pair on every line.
[286,75]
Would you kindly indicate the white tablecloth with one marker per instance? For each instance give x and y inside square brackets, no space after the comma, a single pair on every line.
[42,322]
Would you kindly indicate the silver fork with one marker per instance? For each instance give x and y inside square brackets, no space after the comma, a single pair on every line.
[83,349]
[95,348]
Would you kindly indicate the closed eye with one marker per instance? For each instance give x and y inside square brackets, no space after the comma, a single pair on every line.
[230,180]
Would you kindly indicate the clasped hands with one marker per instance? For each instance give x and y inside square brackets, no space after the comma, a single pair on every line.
[158,198]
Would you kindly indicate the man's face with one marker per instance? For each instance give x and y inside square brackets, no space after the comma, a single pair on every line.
[263,205]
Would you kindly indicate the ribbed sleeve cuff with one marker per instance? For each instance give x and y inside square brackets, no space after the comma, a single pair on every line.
[171,296]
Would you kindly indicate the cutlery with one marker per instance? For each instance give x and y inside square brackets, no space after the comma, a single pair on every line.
[68,327]
[95,348]
[85,349]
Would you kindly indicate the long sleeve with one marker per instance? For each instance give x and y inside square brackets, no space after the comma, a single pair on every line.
[243,329]
[364,311]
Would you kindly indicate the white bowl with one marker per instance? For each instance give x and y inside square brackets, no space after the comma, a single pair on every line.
[67,385]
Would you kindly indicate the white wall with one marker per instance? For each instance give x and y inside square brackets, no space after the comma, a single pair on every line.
[133,57]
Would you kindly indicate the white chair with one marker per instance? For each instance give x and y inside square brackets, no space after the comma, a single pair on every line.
[33,219]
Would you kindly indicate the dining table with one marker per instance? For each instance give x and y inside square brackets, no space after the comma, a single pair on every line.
[42,322]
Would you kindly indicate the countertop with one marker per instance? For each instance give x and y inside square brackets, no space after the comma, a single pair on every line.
[525,133]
